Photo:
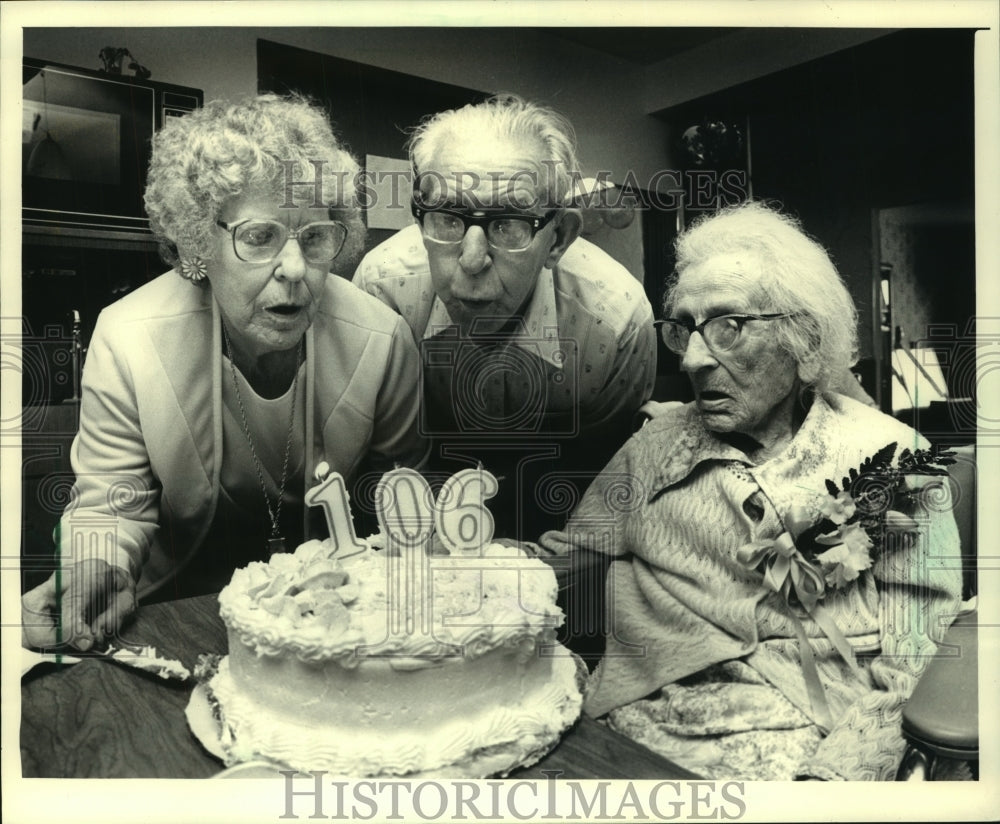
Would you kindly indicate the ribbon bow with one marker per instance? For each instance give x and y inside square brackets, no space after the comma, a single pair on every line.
[786,571]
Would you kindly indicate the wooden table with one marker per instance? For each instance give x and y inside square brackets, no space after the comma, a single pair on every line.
[100,720]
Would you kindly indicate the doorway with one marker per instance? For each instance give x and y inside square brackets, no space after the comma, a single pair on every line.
[925,330]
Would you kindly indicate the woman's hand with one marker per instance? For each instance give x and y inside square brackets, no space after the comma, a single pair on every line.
[921,494]
[89,602]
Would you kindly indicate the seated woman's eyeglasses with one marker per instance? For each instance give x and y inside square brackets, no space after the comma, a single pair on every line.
[508,231]
[720,333]
[261,241]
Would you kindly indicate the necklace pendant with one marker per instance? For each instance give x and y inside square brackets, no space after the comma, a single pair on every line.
[275,544]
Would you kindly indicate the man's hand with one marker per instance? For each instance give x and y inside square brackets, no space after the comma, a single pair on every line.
[84,603]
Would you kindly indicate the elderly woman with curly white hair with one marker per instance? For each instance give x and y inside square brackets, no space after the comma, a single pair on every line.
[211,393]
[769,604]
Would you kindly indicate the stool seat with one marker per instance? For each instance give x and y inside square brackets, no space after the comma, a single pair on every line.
[942,715]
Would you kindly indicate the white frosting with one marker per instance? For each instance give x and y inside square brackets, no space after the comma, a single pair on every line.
[388,665]
[427,608]
[146,658]
[446,740]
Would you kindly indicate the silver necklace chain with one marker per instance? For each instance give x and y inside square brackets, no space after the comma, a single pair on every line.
[276,542]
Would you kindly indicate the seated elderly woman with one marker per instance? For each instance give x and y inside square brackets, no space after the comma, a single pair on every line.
[768,613]
[211,394]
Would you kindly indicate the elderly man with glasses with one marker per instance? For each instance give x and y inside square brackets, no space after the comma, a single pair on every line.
[537,347]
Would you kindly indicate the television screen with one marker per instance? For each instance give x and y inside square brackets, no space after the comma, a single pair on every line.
[85,140]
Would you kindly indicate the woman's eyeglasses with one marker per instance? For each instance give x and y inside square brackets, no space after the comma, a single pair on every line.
[261,241]
[719,333]
[505,230]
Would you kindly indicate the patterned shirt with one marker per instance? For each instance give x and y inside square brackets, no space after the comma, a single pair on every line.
[562,383]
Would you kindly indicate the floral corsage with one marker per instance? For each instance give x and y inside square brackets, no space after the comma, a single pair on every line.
[868,506]
[812,558]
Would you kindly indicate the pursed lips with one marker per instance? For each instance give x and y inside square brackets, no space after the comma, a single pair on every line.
[712,396]
[474,304]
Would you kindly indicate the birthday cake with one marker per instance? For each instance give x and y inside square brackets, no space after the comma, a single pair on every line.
[391,660]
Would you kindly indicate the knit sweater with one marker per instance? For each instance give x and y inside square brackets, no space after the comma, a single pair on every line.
[673,508]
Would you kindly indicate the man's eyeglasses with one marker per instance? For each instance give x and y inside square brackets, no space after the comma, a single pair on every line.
[261,241]
[505,230]
[720,333]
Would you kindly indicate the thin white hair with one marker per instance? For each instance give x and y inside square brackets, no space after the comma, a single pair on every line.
[796,276]
[502,116]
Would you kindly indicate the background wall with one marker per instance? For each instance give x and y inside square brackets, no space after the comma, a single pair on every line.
[603,96]
[884,124]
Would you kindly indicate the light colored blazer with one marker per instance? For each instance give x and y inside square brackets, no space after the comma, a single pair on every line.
[148,453]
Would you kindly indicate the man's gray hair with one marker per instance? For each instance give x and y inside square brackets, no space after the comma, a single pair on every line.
[796,277]
[503,116]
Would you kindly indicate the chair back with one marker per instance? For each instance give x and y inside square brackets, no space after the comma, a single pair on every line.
[962,476]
